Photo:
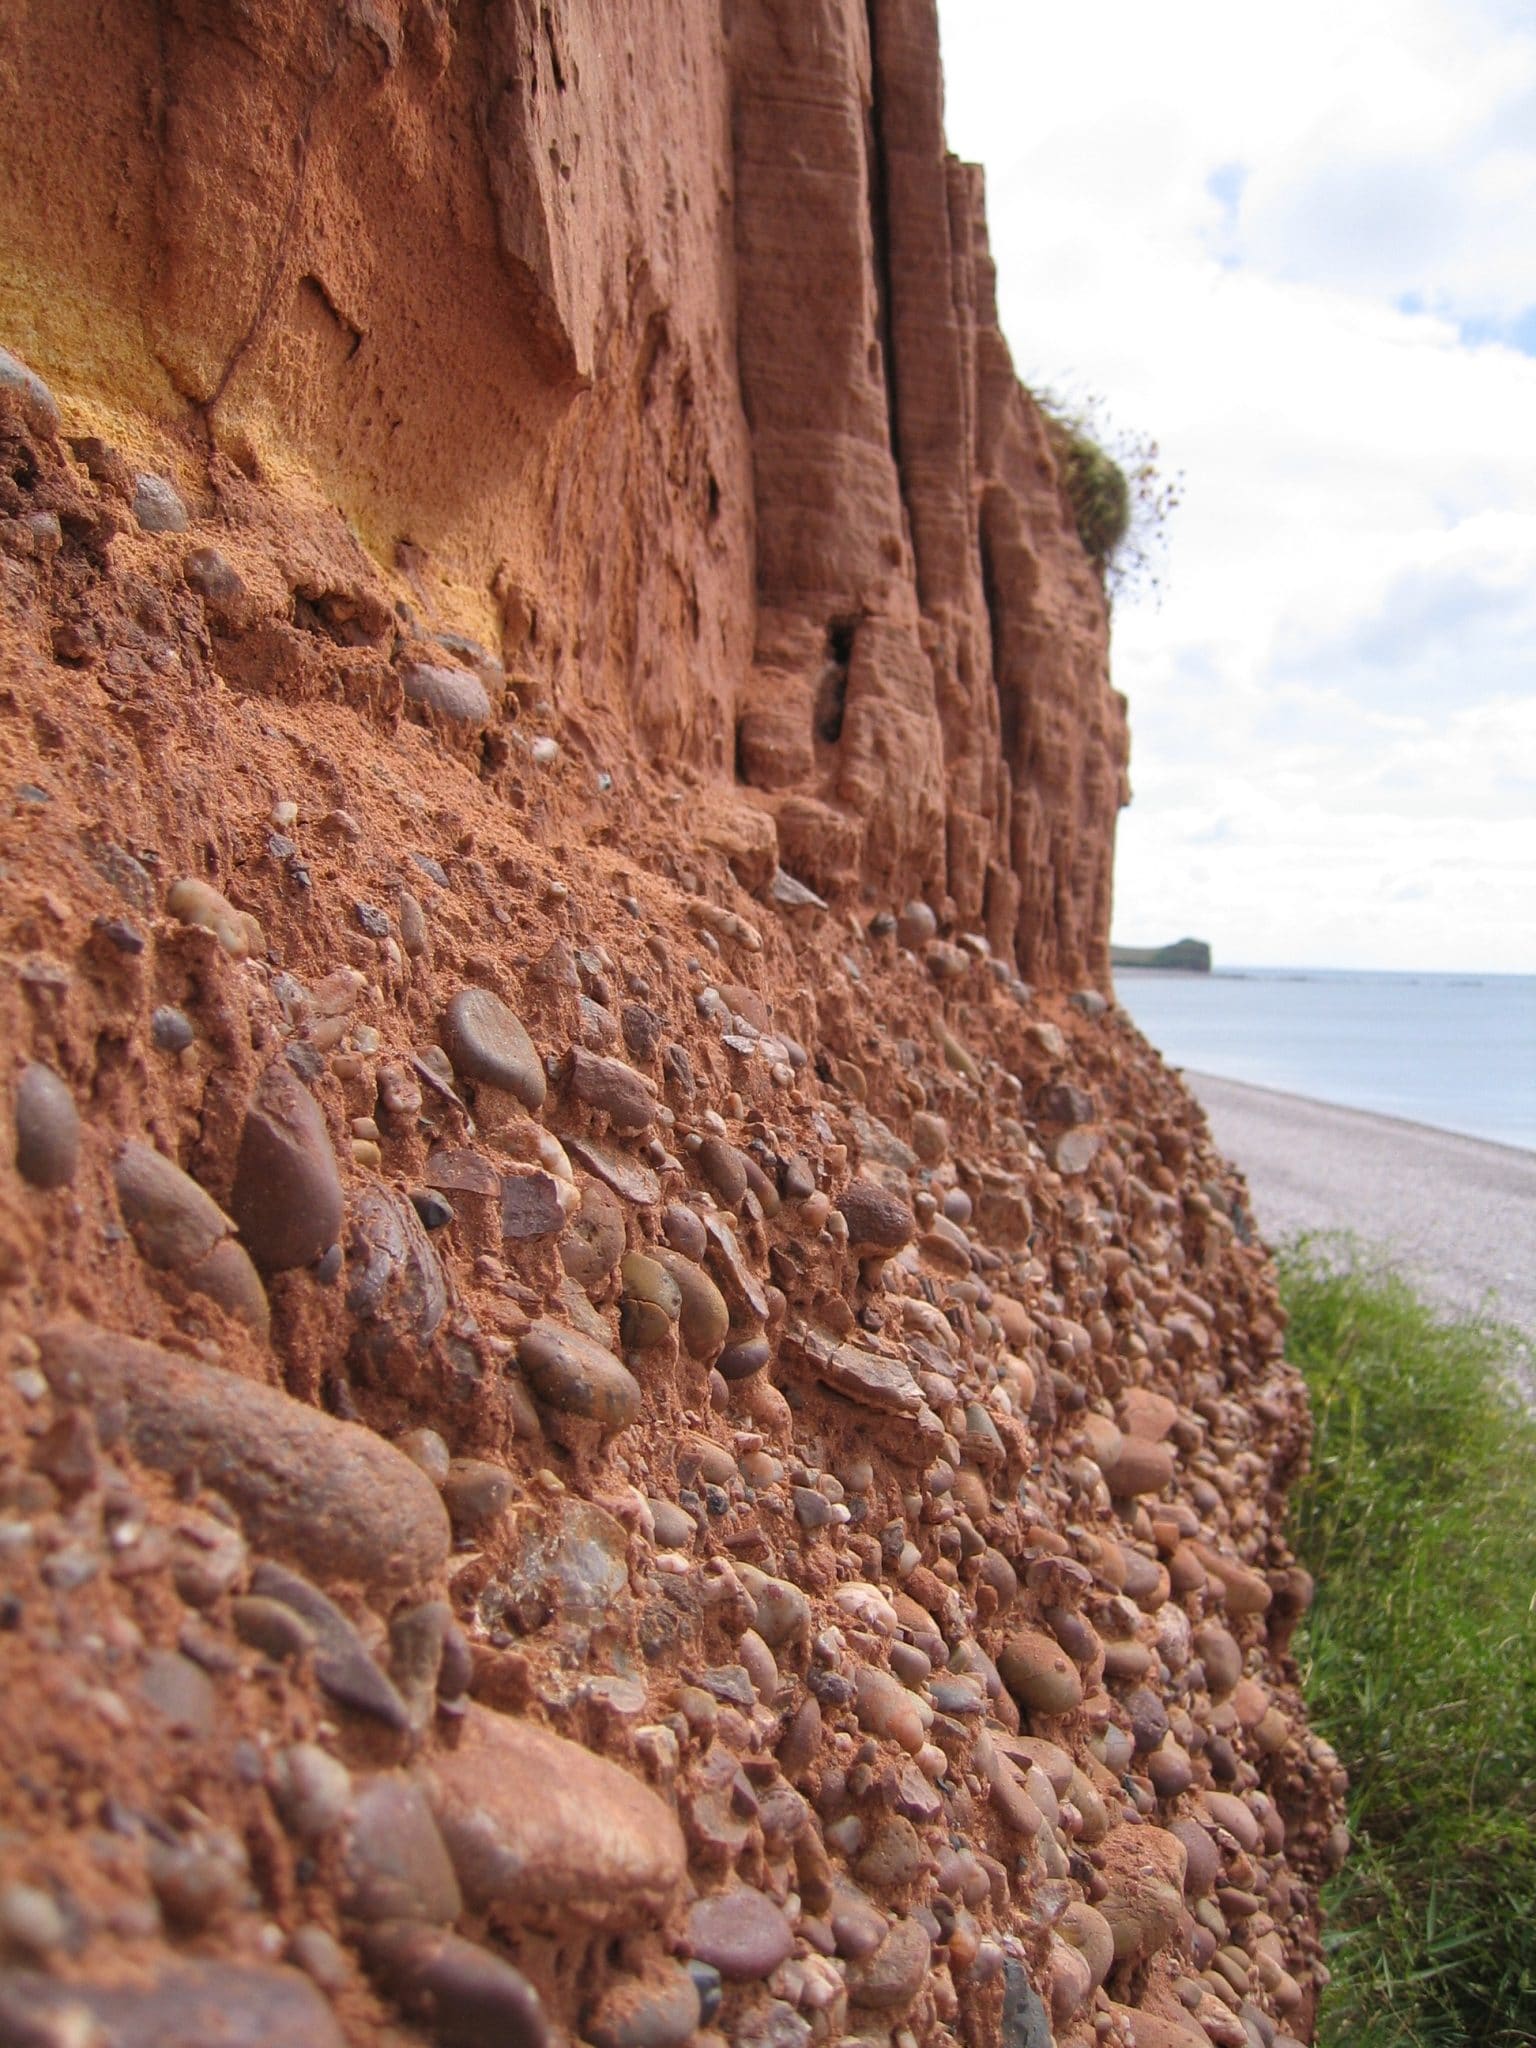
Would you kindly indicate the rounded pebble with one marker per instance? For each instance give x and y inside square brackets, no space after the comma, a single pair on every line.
[47,1128]
[488,1044]
[742,1933]
[578,1376]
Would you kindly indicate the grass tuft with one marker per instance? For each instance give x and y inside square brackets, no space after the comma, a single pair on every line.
[1419,1658]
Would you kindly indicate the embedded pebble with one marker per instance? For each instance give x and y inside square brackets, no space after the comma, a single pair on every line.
[414,931]
[724,1170]
[179,1692]
[578,1376]
[896,1854]
[890,1979]
[30,1920]
[211,2004]
[27,391]
[286,1199]
[532,1207]
[593,1240]
[646,2012]
[468,1996]
[684,1232]
[742,1933]
[572,1562]
[703,1319]
[195,902]
[488,1044]
[312,1790]
[915,925]
[1039,1674]
[476,1494]
[675,1527]
[885,1707]
[395,1286]
[47,1127]
[423,1646]
[157,505]
[543,1828]
[271,1627]
[858,1925]
[172,1221]
[328,1494]
[170,1029]
[626,1176]
[342,1663]
[454,695]
[878,1221]
[610,1087]
[745,1356]
[396,1864]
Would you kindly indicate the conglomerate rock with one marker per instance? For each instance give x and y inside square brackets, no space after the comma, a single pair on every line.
[610,1429]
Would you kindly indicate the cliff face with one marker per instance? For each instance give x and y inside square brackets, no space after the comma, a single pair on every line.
[610,1429]
[666,364]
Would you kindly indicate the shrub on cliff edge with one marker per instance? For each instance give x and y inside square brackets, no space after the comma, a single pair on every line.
[1120,495]
[1419,1659]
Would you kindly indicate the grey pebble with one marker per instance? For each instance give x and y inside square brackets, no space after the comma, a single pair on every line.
[183,1695]
[342,1663]
[170,1029]
[271,1627]
[37,404]
[157,505]
[488,1044]
[47,1128]
[453,695]
[435,1211]
[311,1789]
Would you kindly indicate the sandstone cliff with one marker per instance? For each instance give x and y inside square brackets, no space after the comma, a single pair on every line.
[629,1412]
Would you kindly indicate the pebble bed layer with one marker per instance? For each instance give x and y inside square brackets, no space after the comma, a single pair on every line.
[583,1455]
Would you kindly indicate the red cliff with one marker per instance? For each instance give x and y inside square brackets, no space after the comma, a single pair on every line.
[629,1411]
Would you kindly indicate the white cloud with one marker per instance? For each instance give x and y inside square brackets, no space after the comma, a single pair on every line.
[1287,244]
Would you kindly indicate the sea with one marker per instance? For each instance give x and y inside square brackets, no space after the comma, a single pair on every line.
[1455,1051]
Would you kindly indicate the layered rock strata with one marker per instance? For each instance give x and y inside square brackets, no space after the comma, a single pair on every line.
[610,1429]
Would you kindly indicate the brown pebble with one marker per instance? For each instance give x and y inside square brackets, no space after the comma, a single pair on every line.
[612,1088]
[329,1494]
[286,1199]
[578,1376]
[878,1221]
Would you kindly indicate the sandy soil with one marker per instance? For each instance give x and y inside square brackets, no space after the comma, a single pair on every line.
[1456,1213]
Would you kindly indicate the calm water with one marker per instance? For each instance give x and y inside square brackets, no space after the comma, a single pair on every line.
[1454,1050]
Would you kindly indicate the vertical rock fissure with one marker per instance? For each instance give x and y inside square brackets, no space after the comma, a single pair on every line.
[880,237]
[1007,700]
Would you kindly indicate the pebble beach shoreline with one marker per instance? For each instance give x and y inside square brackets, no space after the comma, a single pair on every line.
[1457,1215]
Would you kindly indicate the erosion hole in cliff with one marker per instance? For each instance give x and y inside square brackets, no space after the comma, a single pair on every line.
[832,690]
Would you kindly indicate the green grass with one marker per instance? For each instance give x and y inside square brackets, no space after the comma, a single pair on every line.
[1419,1658]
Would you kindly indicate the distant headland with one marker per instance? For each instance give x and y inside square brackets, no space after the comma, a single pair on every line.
[1188,956]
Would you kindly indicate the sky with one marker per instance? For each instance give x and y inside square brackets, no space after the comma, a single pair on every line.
[1297,247]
